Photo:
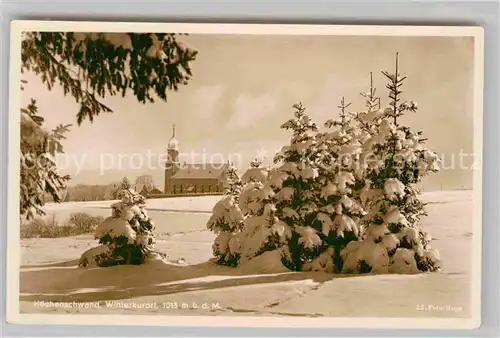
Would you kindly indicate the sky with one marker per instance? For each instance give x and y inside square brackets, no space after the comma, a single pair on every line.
[243,89]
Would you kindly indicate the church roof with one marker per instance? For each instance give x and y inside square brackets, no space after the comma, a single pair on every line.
[201,171]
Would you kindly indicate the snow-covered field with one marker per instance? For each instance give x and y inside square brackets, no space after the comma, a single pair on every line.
[191,286]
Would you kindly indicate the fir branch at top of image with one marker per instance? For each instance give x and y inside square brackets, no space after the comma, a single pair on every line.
[91,66]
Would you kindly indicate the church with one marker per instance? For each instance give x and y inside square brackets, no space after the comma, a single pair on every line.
[191,178]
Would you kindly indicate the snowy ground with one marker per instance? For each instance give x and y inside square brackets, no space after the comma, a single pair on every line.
[193,287]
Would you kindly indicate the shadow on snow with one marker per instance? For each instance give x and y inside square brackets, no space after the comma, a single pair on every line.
[65,282]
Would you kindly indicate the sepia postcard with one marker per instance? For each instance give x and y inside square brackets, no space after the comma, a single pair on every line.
[262,175]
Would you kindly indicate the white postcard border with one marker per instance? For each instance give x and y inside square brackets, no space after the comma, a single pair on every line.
[13,240]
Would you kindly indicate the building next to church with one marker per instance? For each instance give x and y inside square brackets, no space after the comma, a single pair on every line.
[191,178]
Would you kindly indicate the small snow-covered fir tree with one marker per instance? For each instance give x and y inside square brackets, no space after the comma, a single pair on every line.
[394,161]
[126,237]
[227,220]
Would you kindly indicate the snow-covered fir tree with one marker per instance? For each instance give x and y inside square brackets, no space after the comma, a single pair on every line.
[395,159]
[126,237]
[338,212]
[364,127]
[275,201]
[293,183]
[262,230]
[227,220]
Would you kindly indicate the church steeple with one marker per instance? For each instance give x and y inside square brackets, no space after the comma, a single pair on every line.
[173,144]
[172,162]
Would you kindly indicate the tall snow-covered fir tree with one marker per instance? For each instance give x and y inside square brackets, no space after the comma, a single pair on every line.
[293,183]
[364,127]
[275,201]
[338,212]
[227,220]
[395,159]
